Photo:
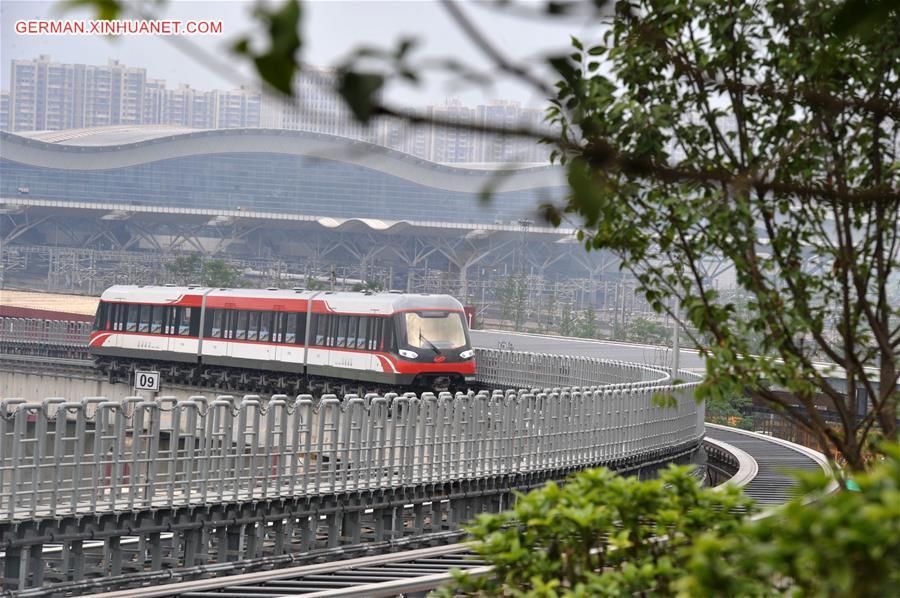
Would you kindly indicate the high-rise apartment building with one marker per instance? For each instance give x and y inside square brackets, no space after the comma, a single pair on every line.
[238,108]
[4,111]
[42,95]
[316,107]
[45,95]
[154,101]
[510,148]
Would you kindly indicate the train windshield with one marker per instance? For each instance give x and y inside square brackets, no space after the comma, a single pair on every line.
[435,329]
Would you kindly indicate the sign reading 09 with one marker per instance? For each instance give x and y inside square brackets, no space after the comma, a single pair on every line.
[146,380]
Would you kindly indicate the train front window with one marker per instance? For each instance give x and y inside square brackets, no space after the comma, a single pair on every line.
[101,316]
[435,330]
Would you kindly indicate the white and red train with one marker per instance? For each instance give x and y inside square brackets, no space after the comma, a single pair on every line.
[385,339]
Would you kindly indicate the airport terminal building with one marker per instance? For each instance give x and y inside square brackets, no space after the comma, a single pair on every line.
[264,170]
[86,208]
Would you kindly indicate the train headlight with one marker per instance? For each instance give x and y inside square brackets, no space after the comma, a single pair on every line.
[467,354]
[408,354]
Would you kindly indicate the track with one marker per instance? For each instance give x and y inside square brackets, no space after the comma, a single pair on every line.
[777,459]
[382,575]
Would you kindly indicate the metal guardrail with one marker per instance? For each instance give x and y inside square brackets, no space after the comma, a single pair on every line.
[385,575]
[34,330]
[540,370]
[62,457]
[511,369]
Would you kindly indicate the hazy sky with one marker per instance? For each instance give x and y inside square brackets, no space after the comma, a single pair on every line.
[331,29]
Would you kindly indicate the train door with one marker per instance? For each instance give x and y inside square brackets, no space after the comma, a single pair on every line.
[239,334]
[185,332]
[216,333]
[290,328]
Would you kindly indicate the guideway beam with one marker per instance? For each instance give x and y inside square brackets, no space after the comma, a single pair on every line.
[252,479]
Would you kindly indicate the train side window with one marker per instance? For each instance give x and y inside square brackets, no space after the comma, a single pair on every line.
[111,314]
[240,332]
[313,329]
[322,322]
[207,322]
[176,316]
[213,323]
[389,334]
[375,335]
[352,328]
[290,328]
[184,324]
[194,322]
[332,330]
[362,336]
[227,323]
[341,336]
[265,323]
[325,330]
[131,324]
[156,319]
[170,319]
[253,326]
[143,318]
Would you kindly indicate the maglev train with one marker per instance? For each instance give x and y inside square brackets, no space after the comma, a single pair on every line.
[382,338]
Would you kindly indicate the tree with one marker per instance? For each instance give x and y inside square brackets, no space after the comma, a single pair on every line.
[217,273]
[587,326]
[521,303]
[567,321]
[750,133]
[513,300]
[369,285]
[598,535]
[551,311]
[646,331]
[315,285]
[731,410]
[185,269]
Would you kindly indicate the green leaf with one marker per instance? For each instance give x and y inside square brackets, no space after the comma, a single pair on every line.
[277,65]
[105,10]
[360,91]
[860,17]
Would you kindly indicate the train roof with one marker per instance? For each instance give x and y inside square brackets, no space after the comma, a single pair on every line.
[337,301]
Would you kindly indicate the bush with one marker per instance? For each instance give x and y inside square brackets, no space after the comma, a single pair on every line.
[597,535]
[846,544]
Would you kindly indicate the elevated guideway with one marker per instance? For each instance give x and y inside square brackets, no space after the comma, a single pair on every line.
[416,572]
[116,495]
[222,484]
[652,355]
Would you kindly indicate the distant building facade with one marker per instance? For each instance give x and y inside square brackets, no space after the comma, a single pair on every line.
[50,96]
[4,111]
[264,170]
